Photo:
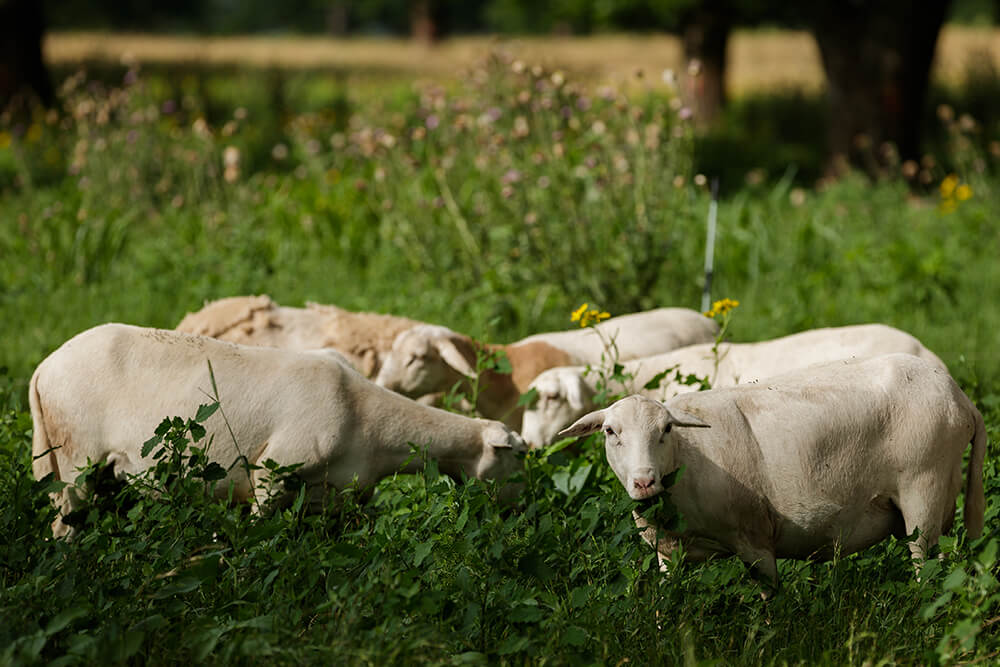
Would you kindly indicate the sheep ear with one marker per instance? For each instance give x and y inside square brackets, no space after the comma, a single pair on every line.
[681,418]
[511,440]
[369,363]
[574,391]
[584,425]
[453,357]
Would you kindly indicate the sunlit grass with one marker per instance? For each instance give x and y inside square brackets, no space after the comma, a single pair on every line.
[759,60]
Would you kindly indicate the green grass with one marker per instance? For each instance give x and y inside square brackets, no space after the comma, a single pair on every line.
[494,226]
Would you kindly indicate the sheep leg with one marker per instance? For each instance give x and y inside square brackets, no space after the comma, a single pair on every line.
[763,567]
[66,501]
[657,538]
[921,504]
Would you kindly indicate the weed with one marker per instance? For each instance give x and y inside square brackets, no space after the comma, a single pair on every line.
[460,204]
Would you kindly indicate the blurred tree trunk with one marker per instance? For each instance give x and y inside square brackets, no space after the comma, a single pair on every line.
[426,23]
[22,69]
[705,36]
[338,17]
[877,57]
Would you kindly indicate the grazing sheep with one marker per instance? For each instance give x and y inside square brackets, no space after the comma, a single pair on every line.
[825,460]
[364,338]
[566,393]
[635,335]
[102,393]
[431,359]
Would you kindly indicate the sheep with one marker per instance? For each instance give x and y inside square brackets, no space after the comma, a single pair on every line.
[635,335]
[101,394]
[566,393]
[825,460]
[364,338]
[430,359]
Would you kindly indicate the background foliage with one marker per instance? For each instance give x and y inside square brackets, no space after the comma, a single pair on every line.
[394,16]
[151,193]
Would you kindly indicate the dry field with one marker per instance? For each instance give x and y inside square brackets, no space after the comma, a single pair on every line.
[759,60]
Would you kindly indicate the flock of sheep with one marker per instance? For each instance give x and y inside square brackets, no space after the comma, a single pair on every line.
[827,440]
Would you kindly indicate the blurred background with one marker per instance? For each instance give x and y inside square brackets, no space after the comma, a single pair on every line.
[492,164]
[819,87]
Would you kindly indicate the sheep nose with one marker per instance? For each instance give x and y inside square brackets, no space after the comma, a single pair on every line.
[643,482]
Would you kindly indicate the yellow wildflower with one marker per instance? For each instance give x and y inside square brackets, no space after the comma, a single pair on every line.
[593,317]
[586,315]
[722,307]
[953,191]
[948,185]
[4,140]
[34,133]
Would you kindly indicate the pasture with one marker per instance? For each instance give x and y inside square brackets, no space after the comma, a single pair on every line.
[494,202]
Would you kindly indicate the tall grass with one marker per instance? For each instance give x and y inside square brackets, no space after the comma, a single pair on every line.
[144,198]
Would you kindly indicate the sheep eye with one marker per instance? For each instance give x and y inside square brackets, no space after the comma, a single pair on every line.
[609,431]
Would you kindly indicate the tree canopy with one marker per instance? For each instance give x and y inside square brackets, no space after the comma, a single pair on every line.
[459,16]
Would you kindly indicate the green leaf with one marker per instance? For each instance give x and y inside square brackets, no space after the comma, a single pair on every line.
[348,550]
[197,431]
[514,644]
[954,580]
[147,446]
[65,617]
[29,646]
[671,478]
[534,565]
[988,557]
[579,478]
[575,636]
[206,411]
[420,552]
[264,622]
[618,373]
[570,482]
[131,644]
[179,586]
[300,499]
[930,610]
[657,380]
[163,427]
[562,444]
[213,472]
[528,398]
[204,643]
[261,532]
[463,518]
[271,576]
[501,364]
[526,614]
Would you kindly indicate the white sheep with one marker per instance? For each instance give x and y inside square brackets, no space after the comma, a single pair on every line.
[431,359]
[825,460]
[566,393]
[635,335]
[364,338]
[102,393]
